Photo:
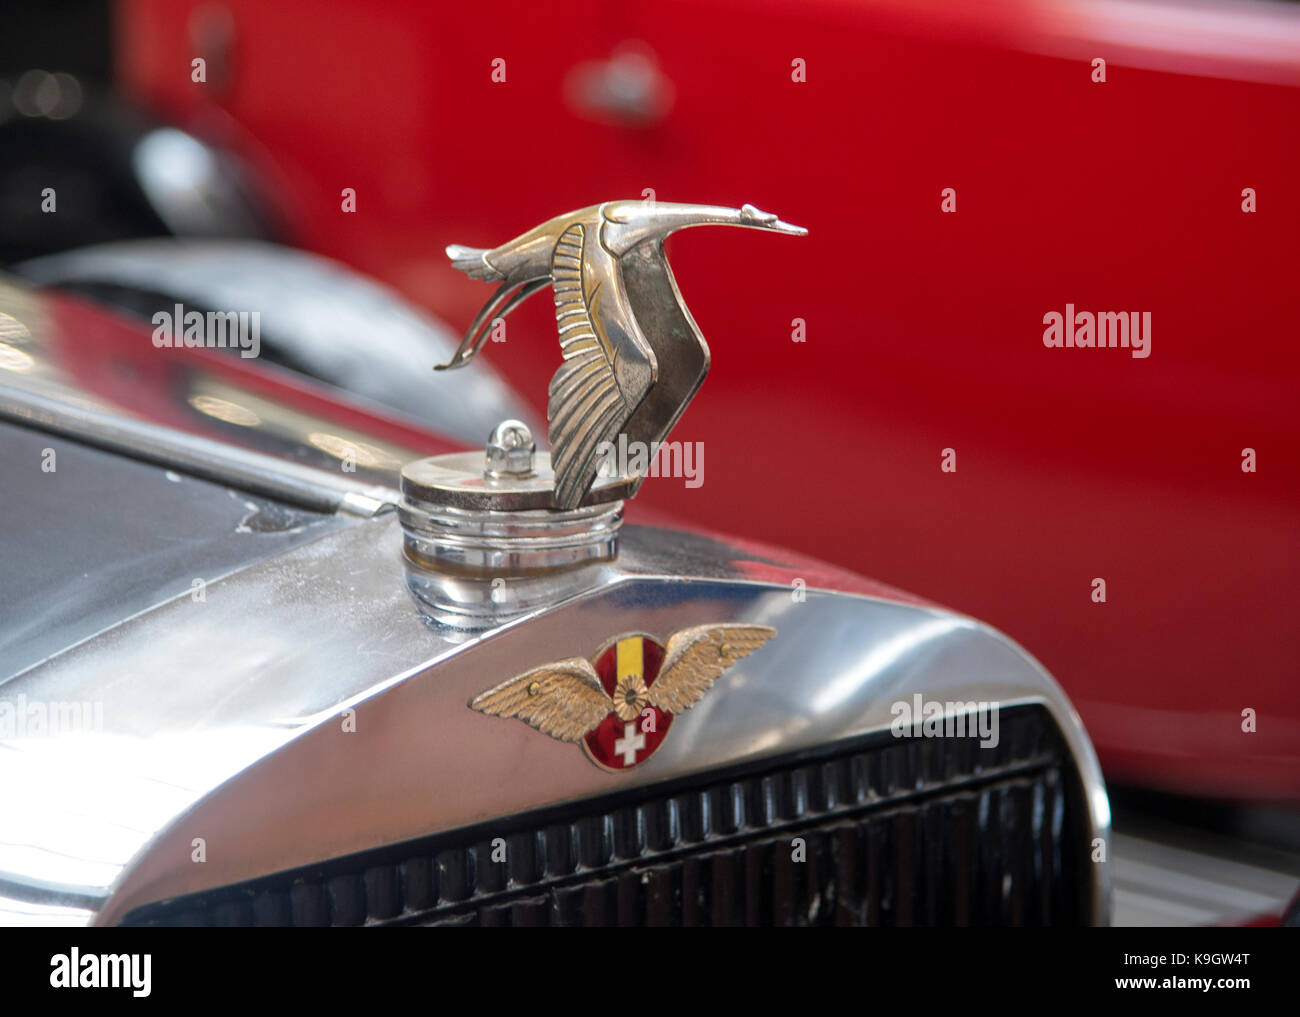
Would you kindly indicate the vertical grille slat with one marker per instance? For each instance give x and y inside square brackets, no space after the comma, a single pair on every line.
[937,831]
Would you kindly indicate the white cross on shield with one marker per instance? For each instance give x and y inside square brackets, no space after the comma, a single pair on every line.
[631,742]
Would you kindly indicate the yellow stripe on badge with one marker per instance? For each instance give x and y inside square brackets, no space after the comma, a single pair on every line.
[630,657]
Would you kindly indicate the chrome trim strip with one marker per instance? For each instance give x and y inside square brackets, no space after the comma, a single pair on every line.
[51,895]
[260,474]
[336,326]
[19,912]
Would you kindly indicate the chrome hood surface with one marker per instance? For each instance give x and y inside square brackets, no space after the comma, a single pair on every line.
[225,723]
[305,707]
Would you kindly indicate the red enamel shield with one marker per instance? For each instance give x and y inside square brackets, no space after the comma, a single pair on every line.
[623,741]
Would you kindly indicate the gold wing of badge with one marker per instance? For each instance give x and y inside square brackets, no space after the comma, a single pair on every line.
[696,658]
[566,700]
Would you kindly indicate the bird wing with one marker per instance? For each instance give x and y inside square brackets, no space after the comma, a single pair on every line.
[696,657]
[590,397]
[564,700]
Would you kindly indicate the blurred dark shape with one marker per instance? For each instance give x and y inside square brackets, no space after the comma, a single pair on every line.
[82,167]
[74,35]
[627,90]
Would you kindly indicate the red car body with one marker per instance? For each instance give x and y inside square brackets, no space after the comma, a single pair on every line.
[923,328]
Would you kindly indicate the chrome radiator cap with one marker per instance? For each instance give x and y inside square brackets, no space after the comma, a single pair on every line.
[483,538]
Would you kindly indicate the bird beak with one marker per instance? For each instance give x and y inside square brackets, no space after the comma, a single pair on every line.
[790,228]
[751,216]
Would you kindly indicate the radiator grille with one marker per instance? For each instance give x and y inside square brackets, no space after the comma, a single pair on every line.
[882,831]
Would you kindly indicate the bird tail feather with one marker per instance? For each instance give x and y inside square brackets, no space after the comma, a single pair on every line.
[473,262]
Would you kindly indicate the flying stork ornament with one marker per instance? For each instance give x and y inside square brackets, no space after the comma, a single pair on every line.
[633,355]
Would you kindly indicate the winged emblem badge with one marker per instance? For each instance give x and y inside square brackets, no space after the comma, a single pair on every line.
[620,704]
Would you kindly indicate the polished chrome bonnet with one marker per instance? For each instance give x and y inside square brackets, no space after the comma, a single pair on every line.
[315,702]
[336,720]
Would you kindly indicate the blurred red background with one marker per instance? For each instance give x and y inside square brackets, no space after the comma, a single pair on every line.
[924,329]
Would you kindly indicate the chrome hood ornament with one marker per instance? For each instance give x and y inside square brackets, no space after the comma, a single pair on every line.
[633,356]
[491,534]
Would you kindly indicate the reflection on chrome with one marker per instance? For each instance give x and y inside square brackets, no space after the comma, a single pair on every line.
[174,167]
[224,409]
[351,450]
[12,330]
[90,802]
[12,359]
[880,657]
